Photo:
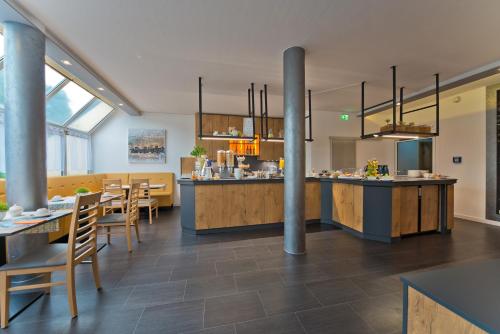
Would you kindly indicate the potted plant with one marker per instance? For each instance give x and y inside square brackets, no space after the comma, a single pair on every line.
[82,190]
[3,209]
[198,152]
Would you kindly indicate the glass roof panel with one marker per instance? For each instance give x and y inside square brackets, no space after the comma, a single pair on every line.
[91,116]
[52,79]
[66,102]
[1,46]
[2,90]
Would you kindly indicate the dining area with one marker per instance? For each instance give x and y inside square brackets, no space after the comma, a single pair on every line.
[70,231]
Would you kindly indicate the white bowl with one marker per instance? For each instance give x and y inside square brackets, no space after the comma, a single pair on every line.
[414,173]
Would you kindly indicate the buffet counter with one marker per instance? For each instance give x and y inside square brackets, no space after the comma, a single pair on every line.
[217,205]
[386,210]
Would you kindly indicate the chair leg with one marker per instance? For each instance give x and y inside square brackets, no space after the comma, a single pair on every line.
[4,299]
[129,238]
[70,282]
[48,278]
[157,212]
[95,271]
[150,215]
[136,225]
[108,235]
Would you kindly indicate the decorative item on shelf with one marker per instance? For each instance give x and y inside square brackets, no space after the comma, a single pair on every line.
[372,169]
[243,147]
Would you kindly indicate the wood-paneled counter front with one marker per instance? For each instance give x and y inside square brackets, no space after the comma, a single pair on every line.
[210,206]
[387,210]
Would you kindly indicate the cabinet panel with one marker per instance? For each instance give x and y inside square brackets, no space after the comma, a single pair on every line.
[208,206]
[274,203]
[408,215]
[313,200]
[450,207]
[358,208]
[429,212]
[278,151]
[343,204]
[266,151]
[255,204]
[233,203]
[236,121]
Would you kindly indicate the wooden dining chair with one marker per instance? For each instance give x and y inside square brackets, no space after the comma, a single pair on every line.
[82,244]
[114,187]
[123,220]
[145,199]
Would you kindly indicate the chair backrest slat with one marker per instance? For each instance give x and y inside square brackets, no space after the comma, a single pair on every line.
[144,191]
[133,204]
[83,221]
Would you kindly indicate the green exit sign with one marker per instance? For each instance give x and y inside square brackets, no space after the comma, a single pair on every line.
[344,117]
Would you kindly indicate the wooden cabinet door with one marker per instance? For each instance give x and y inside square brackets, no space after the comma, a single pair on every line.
[233,203]
[408,209]
[358,208]
[343,204]
[274,203]
[313,200]
[236,121]
[278,151]
[255,204]
[208,206]
[429,209]
[266,150]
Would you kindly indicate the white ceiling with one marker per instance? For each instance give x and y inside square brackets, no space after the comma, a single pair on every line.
[153,51]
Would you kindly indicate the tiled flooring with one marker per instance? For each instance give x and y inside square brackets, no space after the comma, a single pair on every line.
[243,282]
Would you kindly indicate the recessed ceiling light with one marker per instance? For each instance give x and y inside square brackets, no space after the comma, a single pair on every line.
[398,104]
[100,88]
[66,62]
[120,104]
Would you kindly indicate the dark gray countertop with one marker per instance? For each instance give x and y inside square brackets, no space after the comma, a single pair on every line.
[242,181]
[398,181]
[471,290]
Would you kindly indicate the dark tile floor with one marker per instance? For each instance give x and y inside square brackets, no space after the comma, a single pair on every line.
[242,282]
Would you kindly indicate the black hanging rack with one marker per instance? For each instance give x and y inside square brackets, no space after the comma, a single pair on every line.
[264,116]
[394,132]
[251,113]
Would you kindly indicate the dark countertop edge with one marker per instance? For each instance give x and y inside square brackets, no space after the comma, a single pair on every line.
[396,183]
[234,181]
[407,280]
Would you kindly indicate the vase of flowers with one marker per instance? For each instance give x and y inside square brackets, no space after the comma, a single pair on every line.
[372,169]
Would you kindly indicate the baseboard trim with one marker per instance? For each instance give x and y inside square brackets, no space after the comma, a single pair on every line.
[478,220]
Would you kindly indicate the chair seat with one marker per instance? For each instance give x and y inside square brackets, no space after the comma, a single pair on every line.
[114,218]
[46,256]
[116,203]
[147,202]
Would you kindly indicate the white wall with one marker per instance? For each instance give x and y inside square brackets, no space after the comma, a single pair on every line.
[109,142]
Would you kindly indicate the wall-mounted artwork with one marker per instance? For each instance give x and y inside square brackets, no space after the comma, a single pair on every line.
[147,146]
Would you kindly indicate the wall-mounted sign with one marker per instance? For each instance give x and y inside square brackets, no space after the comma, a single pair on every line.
[344,117]
[457,160]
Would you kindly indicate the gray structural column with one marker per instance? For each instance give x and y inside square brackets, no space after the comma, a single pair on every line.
[294,110]
[25,142]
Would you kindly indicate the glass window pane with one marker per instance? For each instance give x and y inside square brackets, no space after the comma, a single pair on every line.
[1,46]
[91,116]
[66,102]
[2,89]
[54,154]
[77,152]
[2,146]
[52,78]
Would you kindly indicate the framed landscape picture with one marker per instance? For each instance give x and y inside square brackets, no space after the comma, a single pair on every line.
[147,145]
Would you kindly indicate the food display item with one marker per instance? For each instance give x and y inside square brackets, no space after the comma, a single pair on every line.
[221,158]
[230,158]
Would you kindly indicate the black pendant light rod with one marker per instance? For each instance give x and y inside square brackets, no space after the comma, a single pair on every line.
[253,109]
[261,115]
[393,98]
[266,113]
[437,103]
[249,104]
[363,109]
[200,109]
[309,116]
[401,104]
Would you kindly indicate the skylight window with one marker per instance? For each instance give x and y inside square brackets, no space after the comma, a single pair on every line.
[66,103]
[52,79]
[91,116]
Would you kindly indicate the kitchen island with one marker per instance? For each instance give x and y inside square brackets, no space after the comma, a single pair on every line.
[219,205]
[387,210]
